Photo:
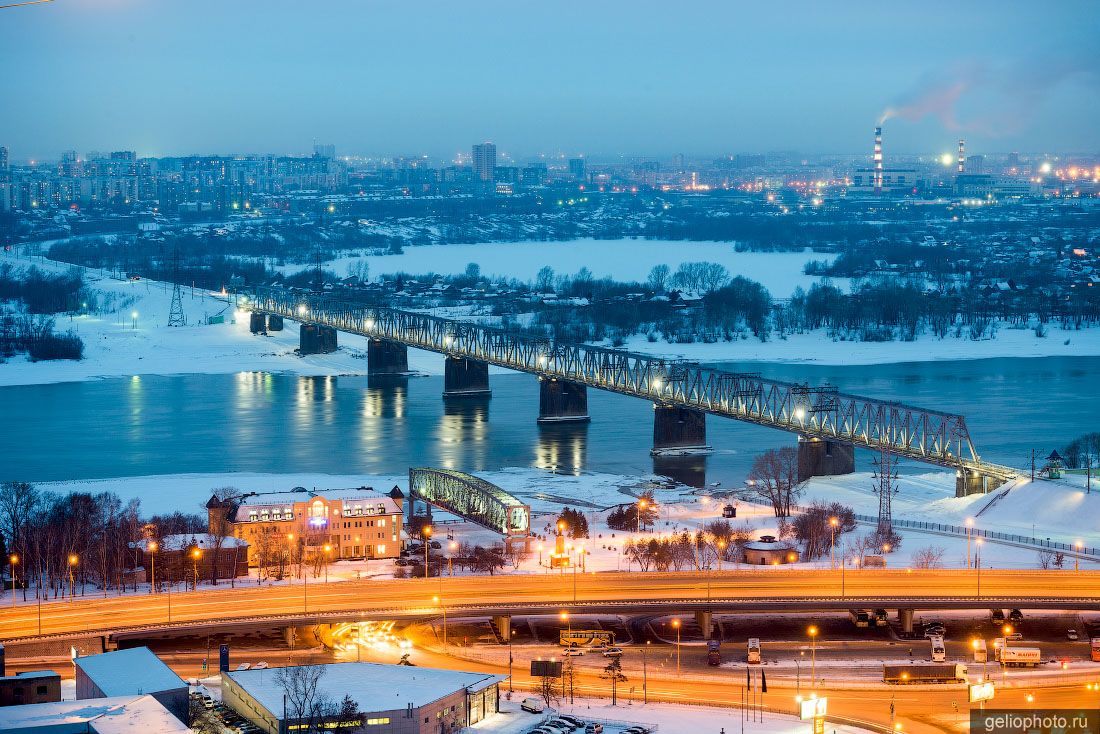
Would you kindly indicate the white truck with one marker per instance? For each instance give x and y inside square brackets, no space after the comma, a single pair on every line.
[1020,657]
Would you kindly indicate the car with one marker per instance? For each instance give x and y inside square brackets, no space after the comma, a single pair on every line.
[208,704]
[593,728]
[436,544]
[533,705]
[1014,636]
[260,665]
[613,652]
[571,719]
[558,725]
[244,666]
[402,562]
[573,652]
[1072,635]
[563,724]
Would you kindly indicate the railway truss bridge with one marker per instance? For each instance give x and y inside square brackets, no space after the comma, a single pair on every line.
[829,424]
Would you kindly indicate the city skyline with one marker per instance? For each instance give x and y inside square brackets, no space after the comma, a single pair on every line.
[707,80]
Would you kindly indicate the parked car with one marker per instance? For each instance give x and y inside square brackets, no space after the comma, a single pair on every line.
[1015,636]
[1072,635]
[573,652]
[244,666]
[533,705]
[260,665]
[402,562]
[436,544]
[593,728]
[613,652]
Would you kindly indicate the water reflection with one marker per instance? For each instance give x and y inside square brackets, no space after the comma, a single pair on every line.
[385,396]
[689,470]
[562,447]
[463,433]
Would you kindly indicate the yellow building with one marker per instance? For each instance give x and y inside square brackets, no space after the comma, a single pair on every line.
[340,523]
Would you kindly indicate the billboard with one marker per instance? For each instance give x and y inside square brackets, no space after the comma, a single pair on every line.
[546,668]
[813,708]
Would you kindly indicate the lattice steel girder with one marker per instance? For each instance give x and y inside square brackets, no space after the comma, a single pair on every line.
[822,412]
[472,498]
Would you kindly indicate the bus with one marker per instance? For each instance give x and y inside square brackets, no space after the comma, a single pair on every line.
[939,651]
[860,617]
[981,651]
[753,653]
[1094,645]
[714,652]
[576,638]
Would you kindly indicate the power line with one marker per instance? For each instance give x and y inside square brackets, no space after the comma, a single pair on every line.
[29,2]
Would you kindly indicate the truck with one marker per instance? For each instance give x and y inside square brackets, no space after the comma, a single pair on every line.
[882,619]
[910,674]
[1094,649]
[860,617]
[753,653]
[997,616]
[939,650]
[714,653]
[981,651]
[1021,657]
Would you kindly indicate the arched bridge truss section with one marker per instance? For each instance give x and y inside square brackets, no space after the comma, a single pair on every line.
[815,412]
[471,498]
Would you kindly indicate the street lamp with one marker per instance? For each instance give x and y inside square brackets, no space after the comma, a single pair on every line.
[564,616]
[73,560]
[14,560]
[969,528]
[439,600]
[450,558]
[833,522]
[978,564]
[721,552]
[1077,558]
[812,631]
[153,561]
[426,534]
[196,554]
[328,554]
[676,624]
[642,504]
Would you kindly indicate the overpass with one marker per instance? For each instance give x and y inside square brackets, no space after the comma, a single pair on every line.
[829,423]
[311,602]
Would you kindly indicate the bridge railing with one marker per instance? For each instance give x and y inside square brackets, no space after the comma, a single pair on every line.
[817,412]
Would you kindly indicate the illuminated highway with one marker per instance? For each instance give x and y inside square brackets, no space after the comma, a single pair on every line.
[768,589]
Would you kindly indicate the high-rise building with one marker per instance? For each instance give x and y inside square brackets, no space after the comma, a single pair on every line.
[577,168]
[327,150]
[5,171]
[485,161]
[975,164]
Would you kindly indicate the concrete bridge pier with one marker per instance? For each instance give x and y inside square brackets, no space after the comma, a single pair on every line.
[386,357]
[257,322]
[968,482]
[820,457]
[274,322]
[316,339]
[705,622]
[503,625]
[465,378]
[678,431]
[562,402]
[905,619]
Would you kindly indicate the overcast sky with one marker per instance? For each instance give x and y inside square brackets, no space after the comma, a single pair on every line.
[599,77]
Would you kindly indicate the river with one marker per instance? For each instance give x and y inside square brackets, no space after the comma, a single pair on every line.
[261,422]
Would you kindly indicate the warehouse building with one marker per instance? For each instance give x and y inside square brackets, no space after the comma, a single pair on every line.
[392,699]
[132,672]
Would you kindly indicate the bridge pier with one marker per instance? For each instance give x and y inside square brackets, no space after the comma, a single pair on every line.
[465,378]
[705,622]
[386,357]
[561,401]
[819,457]
[274,322]
[905,619]
[503,625]
[316,339]
[257,323]
[678,431]
[968,482]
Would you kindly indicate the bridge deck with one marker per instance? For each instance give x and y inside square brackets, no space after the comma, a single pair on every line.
[821,412]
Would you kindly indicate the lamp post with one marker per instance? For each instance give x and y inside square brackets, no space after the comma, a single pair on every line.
[450,558]
[196,554]
[426,534]
[978,564]
[73,560]
[328,553]
[153,562]
[638,516]
[721,552]
[833,522]
[969,527]
[14,560]
[676,624]
[813,656]
[645,693]
[564,616]
[1076,559]
[540,555]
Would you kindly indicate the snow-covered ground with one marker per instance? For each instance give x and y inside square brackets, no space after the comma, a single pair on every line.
[623,260]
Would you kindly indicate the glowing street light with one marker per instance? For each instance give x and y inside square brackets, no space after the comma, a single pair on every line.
[947,159]
[73,560]
[153,561]
[676,624]
[427,535]
[812,632]
[196,554]
[133,317]
[833,523]
[328,556]
[14,561]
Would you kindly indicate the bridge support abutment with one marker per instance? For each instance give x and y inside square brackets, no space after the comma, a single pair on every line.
[820,457]
[257,323]
[561,401]
[386,357]
[968,482]
[905,619]
[316,339]
[274,322]
[465,378]
[678,431]
[503,625]
[705,622]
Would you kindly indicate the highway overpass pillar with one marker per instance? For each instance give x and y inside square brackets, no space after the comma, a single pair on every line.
[678,431]
[316,339]
[503,625]
[968,482]
[257,323]
[387,358]
[819,457]
[905,619]
[274,322]
[561,401]
[465,378]
[705,621]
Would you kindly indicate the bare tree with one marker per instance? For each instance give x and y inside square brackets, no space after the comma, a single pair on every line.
[306,704]
[929,558]
[549,689]
[774,479]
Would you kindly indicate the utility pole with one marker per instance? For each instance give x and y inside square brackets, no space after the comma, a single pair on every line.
[885,474]
[1033,465]
[175,313]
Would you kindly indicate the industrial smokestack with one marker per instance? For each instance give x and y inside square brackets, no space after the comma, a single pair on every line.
[878,160]
[962,155]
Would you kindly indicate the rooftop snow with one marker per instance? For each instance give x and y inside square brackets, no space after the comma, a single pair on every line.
[374,686]
[129,672]
[118,715]
[186,540]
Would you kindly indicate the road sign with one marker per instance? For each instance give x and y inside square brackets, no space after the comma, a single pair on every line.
[981,692]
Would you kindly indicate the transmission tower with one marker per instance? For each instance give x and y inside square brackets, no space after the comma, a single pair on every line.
[885,476]
[175,313]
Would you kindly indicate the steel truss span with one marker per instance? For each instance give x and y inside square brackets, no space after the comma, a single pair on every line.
[815,412]
[472,498]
